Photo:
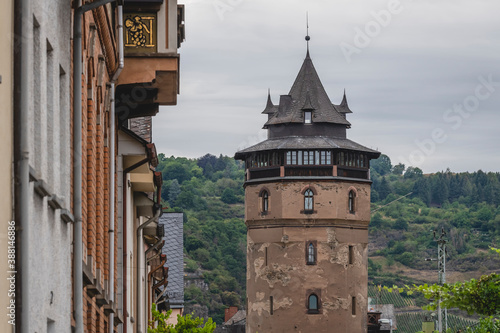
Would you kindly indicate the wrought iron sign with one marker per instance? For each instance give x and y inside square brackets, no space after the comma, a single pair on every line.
[141,33]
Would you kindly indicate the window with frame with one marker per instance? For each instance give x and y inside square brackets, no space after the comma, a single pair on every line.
[311,254]
[307,117]
[308,200]
[265,201]
[313,304]
[351,204]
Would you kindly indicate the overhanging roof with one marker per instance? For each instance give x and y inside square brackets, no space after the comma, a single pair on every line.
[309,142]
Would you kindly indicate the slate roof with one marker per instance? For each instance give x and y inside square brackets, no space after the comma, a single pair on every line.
[307,92]
[173,248]
[305,142]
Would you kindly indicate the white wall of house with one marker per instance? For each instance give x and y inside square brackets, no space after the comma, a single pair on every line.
[49,287]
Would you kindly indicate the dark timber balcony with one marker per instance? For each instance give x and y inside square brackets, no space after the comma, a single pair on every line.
[307,171]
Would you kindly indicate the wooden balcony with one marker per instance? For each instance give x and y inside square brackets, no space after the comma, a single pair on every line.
[307,171]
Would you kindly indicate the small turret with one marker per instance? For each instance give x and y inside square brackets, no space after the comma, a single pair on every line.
[270,109]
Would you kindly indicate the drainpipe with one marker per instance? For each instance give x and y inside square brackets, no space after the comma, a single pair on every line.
[77,163]
[138,271]
[112,170]
[22,133]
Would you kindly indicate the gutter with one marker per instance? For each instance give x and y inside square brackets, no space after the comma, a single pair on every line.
[79,11]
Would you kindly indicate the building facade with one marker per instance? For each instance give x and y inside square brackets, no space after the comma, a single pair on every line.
[307,210]
[43,161]
[81,160]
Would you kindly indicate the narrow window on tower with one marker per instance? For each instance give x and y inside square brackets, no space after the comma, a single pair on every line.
[311,253]
[351,254]
[271,310]
[351,204]
[308,200]
[307,117]
[265,256]
[265,202]
[353,305]
[312,304]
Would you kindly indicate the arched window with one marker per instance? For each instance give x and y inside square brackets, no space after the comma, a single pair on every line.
[265,201]
[311,254]
[312,304]
[352,196]
[308,200]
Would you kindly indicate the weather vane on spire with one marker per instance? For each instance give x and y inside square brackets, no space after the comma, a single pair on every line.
[307,36]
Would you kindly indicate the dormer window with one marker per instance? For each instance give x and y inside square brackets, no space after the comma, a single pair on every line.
[307,117]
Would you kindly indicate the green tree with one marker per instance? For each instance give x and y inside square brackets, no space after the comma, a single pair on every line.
[384,189]
[481,297]
[185,324]
[398,169]
[174,191]
[382,165]
[413,172]
[228,196]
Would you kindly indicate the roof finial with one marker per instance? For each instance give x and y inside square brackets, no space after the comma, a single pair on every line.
[307,35]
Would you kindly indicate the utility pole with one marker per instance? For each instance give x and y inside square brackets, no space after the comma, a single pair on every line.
[442,313]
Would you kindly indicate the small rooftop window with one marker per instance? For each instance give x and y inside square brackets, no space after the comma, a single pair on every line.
[307,117]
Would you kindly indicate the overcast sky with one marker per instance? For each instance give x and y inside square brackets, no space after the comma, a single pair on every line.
[421,76]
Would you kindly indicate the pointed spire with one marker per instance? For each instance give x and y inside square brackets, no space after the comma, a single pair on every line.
[344,107]
[308,38]
[270,107]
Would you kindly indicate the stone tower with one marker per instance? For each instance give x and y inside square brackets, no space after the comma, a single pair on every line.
[307,210]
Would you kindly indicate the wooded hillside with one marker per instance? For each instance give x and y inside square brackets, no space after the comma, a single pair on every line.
[209,190]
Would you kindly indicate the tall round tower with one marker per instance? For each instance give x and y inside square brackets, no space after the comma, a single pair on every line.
[307,210]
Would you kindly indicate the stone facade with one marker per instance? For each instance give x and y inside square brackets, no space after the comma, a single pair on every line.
[277,258]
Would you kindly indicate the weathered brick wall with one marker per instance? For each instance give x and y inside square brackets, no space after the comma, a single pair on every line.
[96,167]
